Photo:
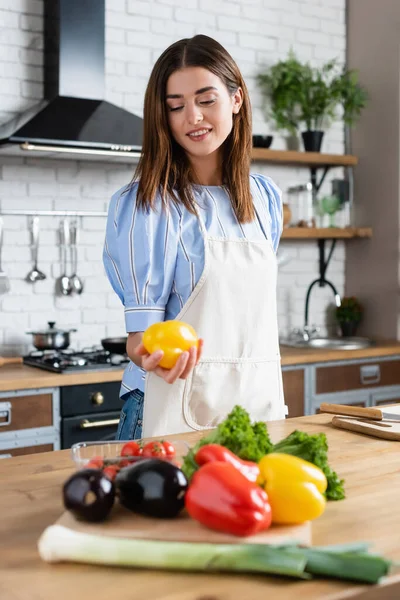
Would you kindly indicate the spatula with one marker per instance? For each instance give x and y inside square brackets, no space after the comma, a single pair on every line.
[4,281]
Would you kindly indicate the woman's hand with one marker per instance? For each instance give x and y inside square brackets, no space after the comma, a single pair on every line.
[185,363]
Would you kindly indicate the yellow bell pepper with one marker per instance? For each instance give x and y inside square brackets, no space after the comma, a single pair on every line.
[294,486]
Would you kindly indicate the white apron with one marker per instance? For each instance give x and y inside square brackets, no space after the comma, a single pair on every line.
[233,308]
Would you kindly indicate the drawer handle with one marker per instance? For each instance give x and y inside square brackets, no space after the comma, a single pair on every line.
[370,374]
[5,414]
[97,398]
[86,424]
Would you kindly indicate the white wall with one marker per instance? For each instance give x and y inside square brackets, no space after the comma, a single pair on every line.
[257,33]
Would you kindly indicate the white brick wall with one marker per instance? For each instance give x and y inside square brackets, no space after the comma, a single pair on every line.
[257,33]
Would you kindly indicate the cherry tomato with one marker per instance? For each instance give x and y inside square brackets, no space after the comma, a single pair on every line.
[154,450]
[111,471]
[172,337]
[169,448]
[131,449]
[95,463]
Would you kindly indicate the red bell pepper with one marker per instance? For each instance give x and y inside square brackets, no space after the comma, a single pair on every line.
[221,498]
[216,452]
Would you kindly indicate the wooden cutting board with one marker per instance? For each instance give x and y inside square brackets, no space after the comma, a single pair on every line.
[386,430]
[125,524]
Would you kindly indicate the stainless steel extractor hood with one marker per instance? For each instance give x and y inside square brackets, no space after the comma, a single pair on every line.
[74,120]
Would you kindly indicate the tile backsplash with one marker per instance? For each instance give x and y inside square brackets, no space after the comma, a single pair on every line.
[256,32]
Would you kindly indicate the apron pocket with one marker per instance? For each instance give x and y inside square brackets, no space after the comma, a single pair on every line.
[214,388]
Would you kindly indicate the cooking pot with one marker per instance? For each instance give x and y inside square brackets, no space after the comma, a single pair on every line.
[116,345]
[52,338]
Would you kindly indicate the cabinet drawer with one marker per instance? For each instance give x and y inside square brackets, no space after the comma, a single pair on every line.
[26,412]
[354,377]
[391,401]
[293,389]
[90,398]
[5,453]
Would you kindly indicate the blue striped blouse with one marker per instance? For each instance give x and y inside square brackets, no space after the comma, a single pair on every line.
[153,259]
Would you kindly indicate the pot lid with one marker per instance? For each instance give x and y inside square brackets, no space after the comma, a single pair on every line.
[52,330]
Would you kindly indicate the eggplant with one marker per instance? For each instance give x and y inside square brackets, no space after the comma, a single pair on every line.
[152,487]
[89,495]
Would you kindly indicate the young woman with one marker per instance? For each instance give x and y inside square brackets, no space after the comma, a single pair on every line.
[193,237]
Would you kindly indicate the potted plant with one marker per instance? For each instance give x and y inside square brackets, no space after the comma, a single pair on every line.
[349,315]
[301,94]
[280,87]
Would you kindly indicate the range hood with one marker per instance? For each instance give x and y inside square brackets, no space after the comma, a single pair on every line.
[74,120]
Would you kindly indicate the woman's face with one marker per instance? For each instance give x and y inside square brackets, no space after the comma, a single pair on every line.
[200,110]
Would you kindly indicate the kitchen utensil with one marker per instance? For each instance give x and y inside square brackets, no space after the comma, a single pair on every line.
[115,345]
[12,360]
[63,283]
[76,282]
[373,414]
[300,201]
[4,281]
[381,429]
[51,338]
[330,205]
[35,274]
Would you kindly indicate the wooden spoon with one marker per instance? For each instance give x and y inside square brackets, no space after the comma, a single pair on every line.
[12,360]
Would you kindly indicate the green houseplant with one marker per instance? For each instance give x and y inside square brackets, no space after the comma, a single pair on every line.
[280,87]
[349,315]
[297,94]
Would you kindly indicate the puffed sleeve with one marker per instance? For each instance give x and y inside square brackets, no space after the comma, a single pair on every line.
[139,257]
[272,203]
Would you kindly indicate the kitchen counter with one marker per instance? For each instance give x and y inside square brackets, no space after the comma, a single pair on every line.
[297,356]
[22,377]
[30,500]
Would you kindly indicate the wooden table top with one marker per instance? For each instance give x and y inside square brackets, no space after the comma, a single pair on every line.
[22,377]
[30,500]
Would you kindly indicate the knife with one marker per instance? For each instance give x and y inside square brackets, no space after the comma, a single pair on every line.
[375,414]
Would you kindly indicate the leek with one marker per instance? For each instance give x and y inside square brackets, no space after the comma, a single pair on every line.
[58,544]
[351,561]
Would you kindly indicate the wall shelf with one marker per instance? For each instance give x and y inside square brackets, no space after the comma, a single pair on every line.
[307,159]
[326,233]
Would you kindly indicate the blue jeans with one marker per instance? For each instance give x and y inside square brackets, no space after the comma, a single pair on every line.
[131,418]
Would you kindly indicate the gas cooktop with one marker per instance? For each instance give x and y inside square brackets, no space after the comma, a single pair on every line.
[70,361]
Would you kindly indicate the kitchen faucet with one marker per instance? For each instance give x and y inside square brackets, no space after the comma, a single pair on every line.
[308,331]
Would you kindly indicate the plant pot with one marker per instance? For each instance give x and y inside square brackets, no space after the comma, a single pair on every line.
[349,328]
[292,143]
[312,140]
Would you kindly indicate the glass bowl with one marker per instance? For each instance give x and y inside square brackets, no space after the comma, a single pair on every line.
[110,452]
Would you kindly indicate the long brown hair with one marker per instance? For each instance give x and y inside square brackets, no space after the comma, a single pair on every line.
[164,166]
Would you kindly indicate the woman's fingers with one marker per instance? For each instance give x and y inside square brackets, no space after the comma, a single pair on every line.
[171,375]
[140,350]
[199,350]
[150,361]
[191,363]
[185,363]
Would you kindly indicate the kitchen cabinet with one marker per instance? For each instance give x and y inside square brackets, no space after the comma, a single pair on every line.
[344,377]
[368,382]
[293,389]
[29,421]
[10,452]
[26,412]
